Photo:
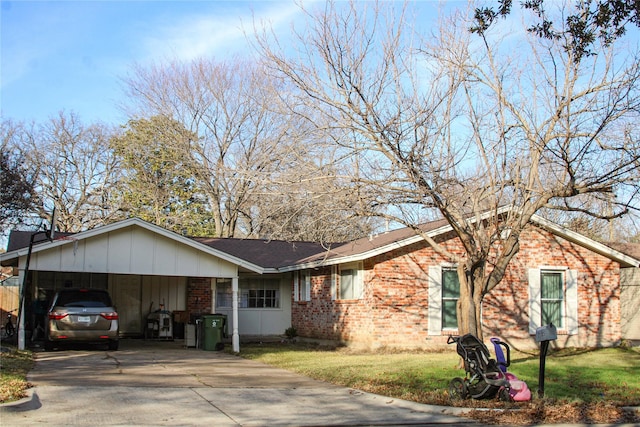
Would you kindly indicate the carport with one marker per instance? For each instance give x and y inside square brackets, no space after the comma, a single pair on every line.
[142,265]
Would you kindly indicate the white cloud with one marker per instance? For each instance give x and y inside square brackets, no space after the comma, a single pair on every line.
[220,33]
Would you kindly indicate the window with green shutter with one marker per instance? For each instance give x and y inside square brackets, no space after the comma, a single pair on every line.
[552,298]
[450,296]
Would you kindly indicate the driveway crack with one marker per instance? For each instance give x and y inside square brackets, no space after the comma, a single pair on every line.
[116,361]
[217,408]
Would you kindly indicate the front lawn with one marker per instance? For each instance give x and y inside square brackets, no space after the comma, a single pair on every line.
[580,385]
[14,366]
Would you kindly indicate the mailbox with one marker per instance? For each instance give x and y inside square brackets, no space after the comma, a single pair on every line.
[546,333]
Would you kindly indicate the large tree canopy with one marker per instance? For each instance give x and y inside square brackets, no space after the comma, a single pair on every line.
[157,185]
[468,124]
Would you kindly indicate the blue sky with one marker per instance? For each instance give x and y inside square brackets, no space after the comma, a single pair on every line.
[70,55]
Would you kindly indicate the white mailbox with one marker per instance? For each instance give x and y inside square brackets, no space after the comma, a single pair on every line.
[546,333]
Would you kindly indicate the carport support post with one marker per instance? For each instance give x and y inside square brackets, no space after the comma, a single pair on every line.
[235,338]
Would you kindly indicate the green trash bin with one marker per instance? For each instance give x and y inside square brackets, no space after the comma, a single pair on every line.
[214,328]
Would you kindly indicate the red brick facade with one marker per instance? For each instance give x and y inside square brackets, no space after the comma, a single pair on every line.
[199,296]
[393,309]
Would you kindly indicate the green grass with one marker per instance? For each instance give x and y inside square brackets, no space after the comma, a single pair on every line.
[14,366]
[611,374]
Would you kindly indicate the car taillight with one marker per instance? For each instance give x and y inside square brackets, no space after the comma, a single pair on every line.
[110,316]
[57,316]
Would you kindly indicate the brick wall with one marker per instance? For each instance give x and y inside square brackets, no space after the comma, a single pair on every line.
[598,292]
[393,310]
[199,296]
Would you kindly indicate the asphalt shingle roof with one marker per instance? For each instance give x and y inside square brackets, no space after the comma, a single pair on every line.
[264,253]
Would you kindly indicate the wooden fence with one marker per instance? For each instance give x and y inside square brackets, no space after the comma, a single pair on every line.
[9,299]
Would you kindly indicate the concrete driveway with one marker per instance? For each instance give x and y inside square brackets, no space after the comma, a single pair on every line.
[162,383]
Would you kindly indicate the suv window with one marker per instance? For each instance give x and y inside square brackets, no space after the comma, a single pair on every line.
[83,298]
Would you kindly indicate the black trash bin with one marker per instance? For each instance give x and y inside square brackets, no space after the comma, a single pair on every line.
[214,329]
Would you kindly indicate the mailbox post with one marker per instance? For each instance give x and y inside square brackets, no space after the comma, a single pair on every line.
[544,334]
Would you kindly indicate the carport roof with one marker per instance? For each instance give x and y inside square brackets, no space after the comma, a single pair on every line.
[20,239]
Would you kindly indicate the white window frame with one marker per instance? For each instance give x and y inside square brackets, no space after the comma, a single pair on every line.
[302,285]
[357,289]
[224,296]
[247,288]
[334,283]
[443,298]
[570,308]
[561,300]
[305,292]
[434,310]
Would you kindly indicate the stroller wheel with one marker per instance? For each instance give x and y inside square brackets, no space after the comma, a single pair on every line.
[458,389]
[504,396]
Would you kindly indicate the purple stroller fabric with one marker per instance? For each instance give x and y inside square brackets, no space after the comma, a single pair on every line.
[502,361]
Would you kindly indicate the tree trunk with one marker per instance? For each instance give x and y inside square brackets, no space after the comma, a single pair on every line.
[470,301]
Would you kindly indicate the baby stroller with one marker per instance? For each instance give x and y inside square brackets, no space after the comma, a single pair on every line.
[518,391]
[484,379]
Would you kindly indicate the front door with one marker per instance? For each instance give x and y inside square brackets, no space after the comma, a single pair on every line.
[126,291]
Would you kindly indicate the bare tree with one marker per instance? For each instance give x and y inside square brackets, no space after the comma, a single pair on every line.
[467,125]
[76,172]
[16,182]
[251,151]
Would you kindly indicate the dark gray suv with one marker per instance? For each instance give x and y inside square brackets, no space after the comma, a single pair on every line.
[82,315]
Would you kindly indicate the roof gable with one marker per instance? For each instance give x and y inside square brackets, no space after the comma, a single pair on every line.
[96,233]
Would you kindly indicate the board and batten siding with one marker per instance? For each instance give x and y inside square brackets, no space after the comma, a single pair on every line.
[132,250]
[630,302]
